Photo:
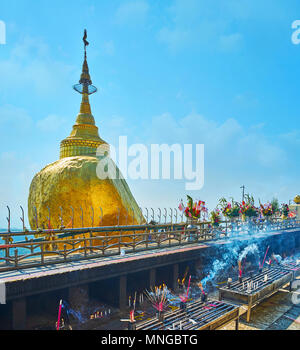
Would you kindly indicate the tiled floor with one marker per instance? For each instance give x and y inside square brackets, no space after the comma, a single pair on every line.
[276,313]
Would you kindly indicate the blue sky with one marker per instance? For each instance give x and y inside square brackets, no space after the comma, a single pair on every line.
[222,73]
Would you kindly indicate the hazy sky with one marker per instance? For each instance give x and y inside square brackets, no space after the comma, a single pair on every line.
[221,73]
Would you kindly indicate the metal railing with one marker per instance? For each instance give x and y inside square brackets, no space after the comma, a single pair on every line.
[66,245]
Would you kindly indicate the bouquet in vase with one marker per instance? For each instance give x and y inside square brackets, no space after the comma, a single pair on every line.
[193,210]
[285,211]
[215,217]
[229,210]
[248,210]
[266,210]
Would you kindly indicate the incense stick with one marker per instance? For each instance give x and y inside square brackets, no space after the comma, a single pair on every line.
[59,314]
[187,292]
[265,257]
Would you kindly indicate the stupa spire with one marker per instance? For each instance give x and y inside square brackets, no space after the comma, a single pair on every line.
[84,138]
[84,83]
[85,86]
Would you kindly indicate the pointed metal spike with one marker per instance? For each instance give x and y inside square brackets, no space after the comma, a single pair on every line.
[72,216]
[101,217]
[147,215]
[8,219]
[22,218]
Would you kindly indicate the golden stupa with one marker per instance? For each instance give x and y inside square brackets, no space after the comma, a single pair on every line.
[68,192]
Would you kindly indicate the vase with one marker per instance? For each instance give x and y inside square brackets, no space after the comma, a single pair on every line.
[192,223]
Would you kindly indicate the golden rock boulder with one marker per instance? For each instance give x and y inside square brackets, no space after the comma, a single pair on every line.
[72,183]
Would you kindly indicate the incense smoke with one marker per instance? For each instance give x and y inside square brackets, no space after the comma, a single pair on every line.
[76,314]
[217,266]
[294,258]
[221,260]
[253,248]
[277,258]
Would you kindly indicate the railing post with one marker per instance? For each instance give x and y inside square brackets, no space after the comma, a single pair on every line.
[65,252]
[134,237]
[152,215]
[22,218]
[176,214]
[7,238]
[42,254]
[103,249]
[16,257]
[90,242]
[158,236]
[84,243]
[6,248]
[159,215]
[147,215]
[147,238]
